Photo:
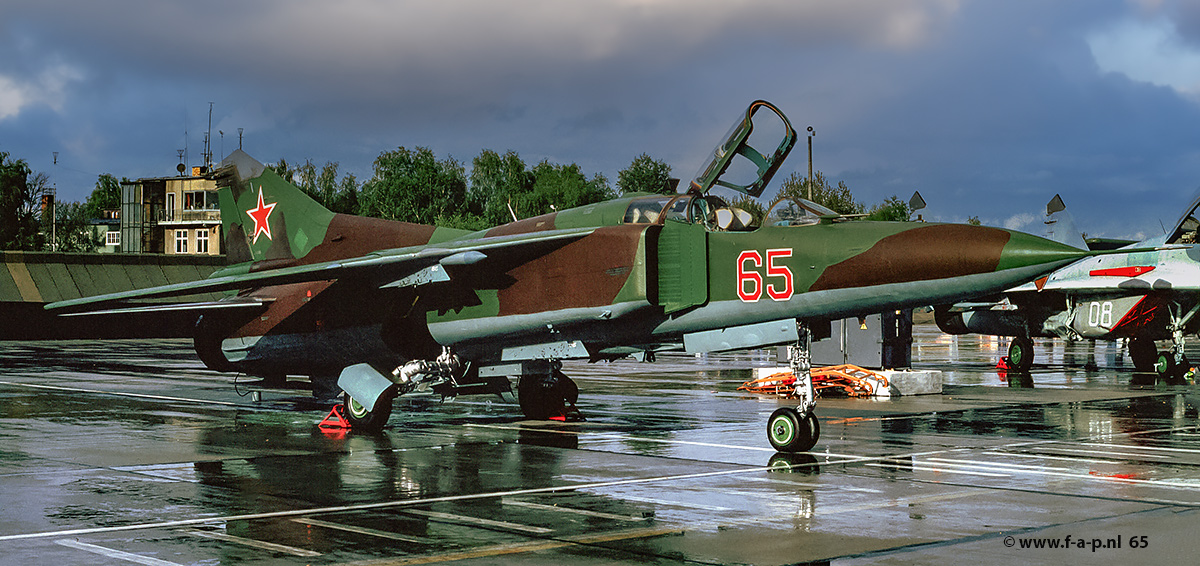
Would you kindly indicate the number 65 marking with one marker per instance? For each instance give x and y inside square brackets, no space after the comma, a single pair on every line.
[750,281]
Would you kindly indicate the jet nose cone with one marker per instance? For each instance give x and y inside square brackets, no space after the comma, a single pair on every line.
[1026,250]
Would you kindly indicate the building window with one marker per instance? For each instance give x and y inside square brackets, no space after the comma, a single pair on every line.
[194,200]
[181,241]
[112,238]
[201,241]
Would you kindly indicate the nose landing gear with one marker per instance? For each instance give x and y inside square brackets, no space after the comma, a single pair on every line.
[797,429]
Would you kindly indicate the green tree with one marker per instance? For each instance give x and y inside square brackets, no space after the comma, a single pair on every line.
[284,170]
[974,221]
[74,231]
[645,175]
[414,186]
[836,198]
[18,205]
[346,200]
[322,186]
[892,208]
[559,187]
[498,181]
[106,196]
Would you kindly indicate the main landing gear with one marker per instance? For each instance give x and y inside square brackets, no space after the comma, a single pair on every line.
[797,429]
[367,404]
[548,395]
[366,420]
[1020,354]
[543,391]
[1169,364]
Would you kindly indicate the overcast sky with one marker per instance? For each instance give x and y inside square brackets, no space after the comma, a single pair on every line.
[988,108]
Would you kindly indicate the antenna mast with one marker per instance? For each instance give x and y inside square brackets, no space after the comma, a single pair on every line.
[208,140]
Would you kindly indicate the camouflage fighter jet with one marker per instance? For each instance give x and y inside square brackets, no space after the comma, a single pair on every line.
[377,308]
[1145,291]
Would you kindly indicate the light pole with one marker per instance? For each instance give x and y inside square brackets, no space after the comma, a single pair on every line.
[811,134]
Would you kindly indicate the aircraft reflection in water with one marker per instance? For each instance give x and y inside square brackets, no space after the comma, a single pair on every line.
[380,308]
[1148,294]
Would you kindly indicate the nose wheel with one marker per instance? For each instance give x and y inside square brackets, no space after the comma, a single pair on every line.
[790,431]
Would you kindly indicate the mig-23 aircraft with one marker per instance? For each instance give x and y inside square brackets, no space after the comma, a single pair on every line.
[378,308]
[1150,292]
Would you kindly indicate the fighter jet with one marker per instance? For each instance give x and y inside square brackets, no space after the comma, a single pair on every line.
[1149,293]
[377,308]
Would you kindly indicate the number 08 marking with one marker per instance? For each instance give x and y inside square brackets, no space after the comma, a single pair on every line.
[1100,314]
[750,281]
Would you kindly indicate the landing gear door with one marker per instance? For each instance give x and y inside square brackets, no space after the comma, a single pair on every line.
[682,266]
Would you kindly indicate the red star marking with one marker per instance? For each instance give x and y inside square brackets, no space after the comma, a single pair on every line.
[260,216]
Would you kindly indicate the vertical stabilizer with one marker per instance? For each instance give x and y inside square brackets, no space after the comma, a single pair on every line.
[265,217]
[1060,227]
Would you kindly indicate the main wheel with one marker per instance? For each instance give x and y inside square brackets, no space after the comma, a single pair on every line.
[788,431]
[1020,354]
[543,396]
[367,421]
[1143,354]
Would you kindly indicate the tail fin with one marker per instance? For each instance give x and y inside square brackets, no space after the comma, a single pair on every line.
[1060,226]
[264,216]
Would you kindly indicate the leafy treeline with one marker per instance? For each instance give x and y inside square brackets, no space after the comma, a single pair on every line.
[413,185]
[410,185]
[838,198]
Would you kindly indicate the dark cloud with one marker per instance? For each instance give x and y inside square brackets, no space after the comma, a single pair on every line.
[988,108]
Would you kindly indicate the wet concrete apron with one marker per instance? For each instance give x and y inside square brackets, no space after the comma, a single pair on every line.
[130,452]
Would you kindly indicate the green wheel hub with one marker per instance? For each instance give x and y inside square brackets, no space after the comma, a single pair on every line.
[783,429]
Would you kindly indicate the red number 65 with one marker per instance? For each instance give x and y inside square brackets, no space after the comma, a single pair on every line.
[750,281]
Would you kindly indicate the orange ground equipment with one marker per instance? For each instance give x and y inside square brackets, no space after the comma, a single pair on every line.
[849,380]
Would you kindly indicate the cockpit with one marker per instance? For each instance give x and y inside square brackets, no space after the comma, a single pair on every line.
[717,215]
[711,211]
[790,211]
[1187,227]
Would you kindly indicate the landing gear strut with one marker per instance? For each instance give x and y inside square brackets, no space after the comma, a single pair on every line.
[797,429]
[369,394]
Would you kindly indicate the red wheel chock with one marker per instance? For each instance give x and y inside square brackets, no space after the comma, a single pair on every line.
[336,419]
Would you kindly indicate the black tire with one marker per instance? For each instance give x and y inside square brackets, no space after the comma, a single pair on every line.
[1143,354]
[540,397]
[1178,370]
[788,431]
[1020,354]
[363,420]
